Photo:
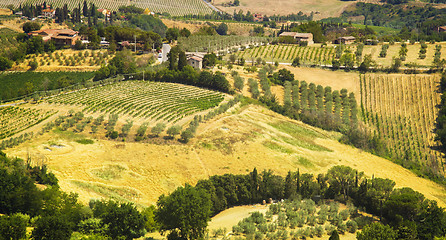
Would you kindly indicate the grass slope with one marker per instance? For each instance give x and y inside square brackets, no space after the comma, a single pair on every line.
[232,143]
[322,9]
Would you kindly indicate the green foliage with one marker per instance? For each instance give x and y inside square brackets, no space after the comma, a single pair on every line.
[31,26]
[14,226]
[13,84]
[173,130]
[186,212]
[158,128]
[52,227]
[376,231]
[5,63]
[172,34]
[122,220]
[209,60]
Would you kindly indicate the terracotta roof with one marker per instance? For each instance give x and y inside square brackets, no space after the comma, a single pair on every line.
[48,10]
[287,34]
[303,35]
[196,58]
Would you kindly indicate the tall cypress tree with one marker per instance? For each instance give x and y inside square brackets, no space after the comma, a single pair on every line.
[85,10]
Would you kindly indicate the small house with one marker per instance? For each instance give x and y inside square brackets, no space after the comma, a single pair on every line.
[344,40]
[195,61]
[61,37]
[49,13]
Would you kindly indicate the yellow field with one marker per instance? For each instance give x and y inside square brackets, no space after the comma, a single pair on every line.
[322,9]
[232,143]
[412,53]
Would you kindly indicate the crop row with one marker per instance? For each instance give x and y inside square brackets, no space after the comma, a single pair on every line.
[168,102]
[401,110]
[17,119]
[286,53]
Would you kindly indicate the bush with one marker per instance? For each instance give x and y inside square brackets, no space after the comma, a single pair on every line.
[352,226]
[33,65]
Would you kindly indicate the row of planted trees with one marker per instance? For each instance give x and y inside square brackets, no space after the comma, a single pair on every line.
[316,105]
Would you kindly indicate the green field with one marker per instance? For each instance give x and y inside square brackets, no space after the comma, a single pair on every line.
[158,101]
[19,84]
[175,8]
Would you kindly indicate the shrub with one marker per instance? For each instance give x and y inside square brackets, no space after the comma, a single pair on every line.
[352,226]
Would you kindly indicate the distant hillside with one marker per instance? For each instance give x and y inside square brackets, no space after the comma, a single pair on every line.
[321,9]
[176,8]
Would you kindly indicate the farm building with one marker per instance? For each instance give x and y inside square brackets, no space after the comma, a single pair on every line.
[61,37]
[344,40]
[442,29]
[299,37]
[195,60]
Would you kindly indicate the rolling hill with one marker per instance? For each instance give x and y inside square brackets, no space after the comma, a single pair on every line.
[235,142]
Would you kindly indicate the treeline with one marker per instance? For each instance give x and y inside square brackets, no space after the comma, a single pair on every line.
[425,19]
[20,84]
[240,16]
[409,214]
[177,71]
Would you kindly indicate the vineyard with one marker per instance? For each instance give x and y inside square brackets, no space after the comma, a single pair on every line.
[204,43]
[286,53]
[175,8]
[17,119]
[155,101]
[401,109]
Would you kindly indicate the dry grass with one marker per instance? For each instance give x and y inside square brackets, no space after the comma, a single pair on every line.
[232,143]
[329,8]
[5,11]
[412,53]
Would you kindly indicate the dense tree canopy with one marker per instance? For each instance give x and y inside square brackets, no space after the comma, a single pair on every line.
[185,212]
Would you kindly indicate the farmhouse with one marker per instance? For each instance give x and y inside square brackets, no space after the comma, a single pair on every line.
[195,59]
[258,17]
[49,13]
[299,37]
[344,40]
[61,37]
[104,12]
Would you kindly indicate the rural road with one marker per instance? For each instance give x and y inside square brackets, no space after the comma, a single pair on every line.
[211,6]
